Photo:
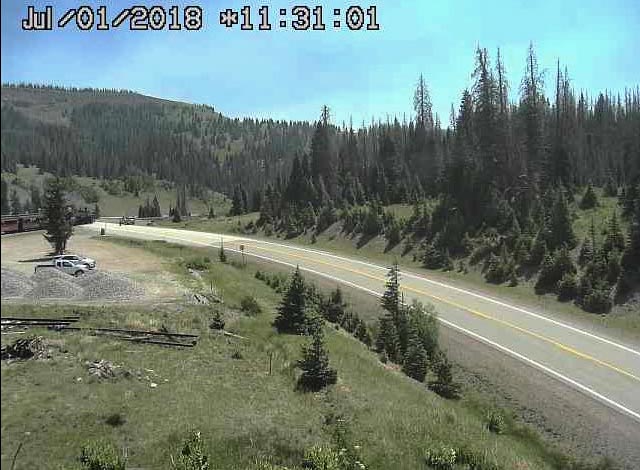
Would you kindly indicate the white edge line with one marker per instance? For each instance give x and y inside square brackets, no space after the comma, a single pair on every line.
[448,286]
[523,358]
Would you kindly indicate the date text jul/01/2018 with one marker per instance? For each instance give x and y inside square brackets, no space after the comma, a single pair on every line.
[192,18]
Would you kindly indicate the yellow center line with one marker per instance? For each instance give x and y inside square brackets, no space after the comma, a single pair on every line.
[555,343]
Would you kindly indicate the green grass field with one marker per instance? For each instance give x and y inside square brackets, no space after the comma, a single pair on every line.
[244,413]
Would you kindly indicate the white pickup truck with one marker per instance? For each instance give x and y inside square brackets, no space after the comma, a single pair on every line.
[66,266]
[77,259]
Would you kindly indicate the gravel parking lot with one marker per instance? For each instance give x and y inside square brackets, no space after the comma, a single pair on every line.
[123,273]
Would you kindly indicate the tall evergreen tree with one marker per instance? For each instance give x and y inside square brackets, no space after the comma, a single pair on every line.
[4,198]
[57,219]
[292,312]
[391,297]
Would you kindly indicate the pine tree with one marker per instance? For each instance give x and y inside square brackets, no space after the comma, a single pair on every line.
[316,373]
[388,340]
[362,333]
[156,207]
[391,296]
[292,312]
[589,200]
[4,197]
[538,251]
[586,252]
[335,307]
[415,360]
[630,262]
[57,221]
[547,277]
[561,227]
[444,384]
[614,238]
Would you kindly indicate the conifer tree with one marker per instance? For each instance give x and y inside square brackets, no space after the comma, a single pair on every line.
[614,238]
[589,200]
[4,197]
[388,340]
[391,296]
[415,359]
[292,312]
[334,308]
[316,373]
[444,384]
[561,227]
[57,219]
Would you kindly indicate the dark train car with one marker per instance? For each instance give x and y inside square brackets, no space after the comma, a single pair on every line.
[29,222]
[20,223]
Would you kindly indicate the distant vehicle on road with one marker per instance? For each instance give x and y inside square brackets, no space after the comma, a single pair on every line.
[128,221]
[78,259]
[65,266]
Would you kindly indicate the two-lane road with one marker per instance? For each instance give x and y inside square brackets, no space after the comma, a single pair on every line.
[602,368]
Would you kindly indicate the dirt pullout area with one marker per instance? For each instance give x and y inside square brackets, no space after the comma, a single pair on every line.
[123,273]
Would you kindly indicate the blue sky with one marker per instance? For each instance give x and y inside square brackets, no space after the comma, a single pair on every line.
[286,74]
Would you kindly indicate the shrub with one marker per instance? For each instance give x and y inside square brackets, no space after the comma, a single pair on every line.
[434,257]
[198,263]
[192,455]
[441,458]
[568,287]
[495,422]
[444,385]
[99,455]
[115,419]
[250,305]
[321,458]
[236,355]
[217,323]
[598,299]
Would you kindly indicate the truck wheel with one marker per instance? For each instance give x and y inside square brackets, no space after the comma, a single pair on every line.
[78,273]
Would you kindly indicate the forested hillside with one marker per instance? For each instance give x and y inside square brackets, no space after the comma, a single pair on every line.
[500,183]
[111,134]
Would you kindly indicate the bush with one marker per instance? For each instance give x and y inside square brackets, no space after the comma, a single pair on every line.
[250,306]
[598,300]
[434,257]
[568,287]
[198,263]
[444,385]
[99,455]
[191,456]
[495,422]
[441,458]
[321,458]
[217,323]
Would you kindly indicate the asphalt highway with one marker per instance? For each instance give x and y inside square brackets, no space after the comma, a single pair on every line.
[601,367]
